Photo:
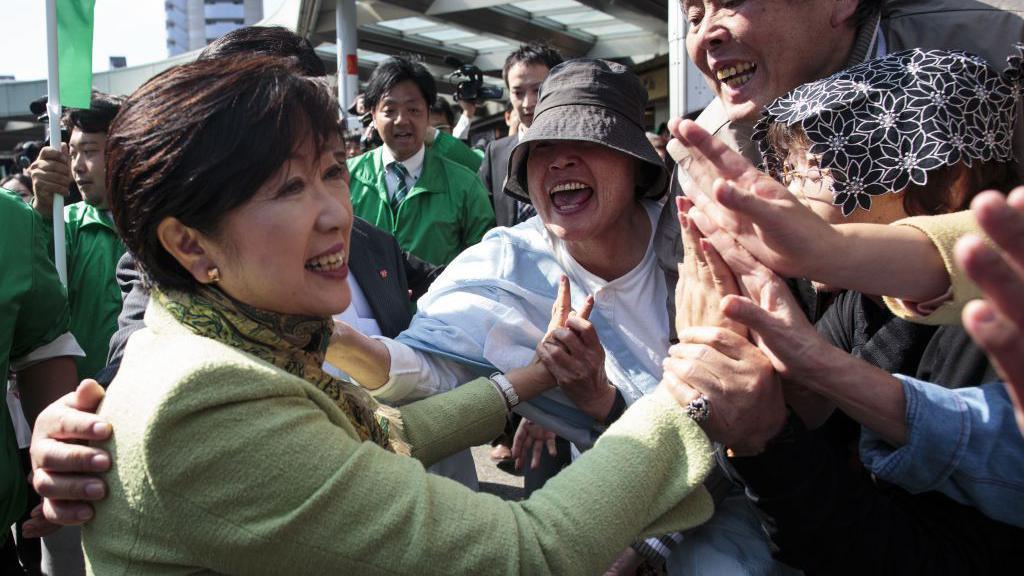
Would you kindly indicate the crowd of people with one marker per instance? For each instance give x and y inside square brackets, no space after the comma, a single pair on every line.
[785,338]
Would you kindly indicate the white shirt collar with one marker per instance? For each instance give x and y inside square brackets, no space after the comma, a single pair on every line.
[413,164]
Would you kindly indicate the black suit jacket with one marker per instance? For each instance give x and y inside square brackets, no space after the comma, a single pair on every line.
[493,172]
[385,273]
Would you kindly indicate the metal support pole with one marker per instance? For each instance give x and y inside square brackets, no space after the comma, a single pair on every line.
[53,114]
[346,38]
[677,60]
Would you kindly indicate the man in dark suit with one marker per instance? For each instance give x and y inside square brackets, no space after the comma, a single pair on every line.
[524,72]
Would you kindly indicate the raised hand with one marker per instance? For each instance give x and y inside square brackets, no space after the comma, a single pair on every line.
[704,279]
[571,351]
[760,213]
[51,175]
[997,323]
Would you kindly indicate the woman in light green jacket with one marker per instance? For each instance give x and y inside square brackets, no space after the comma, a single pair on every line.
[235,453]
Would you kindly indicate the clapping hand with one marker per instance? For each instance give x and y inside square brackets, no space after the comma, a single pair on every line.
[704,279]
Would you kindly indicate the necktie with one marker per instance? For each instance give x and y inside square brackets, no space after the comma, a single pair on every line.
[398,170]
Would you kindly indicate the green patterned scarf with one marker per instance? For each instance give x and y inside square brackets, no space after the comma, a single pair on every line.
[295,344]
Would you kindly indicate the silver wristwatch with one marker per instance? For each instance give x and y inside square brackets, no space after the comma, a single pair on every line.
[506,389]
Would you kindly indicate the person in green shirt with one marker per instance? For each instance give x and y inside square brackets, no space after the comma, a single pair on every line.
[34,342]
[433,206]
[93,245]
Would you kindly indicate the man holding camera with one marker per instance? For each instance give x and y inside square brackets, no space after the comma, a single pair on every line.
[433,206]
[524,72]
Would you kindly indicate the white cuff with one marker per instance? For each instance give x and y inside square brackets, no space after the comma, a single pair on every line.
[63,345]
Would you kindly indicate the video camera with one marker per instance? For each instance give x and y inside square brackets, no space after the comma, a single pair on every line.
[471,89]
[38,109]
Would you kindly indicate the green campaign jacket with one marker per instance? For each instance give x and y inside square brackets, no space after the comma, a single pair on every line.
[444,213]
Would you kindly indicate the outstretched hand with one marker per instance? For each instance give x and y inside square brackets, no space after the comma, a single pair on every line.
[760,213]
[997,322]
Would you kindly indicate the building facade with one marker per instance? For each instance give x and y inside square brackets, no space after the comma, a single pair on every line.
[192,24]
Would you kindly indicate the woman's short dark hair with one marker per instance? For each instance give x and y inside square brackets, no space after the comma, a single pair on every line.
[269,41]
[933,197]
[97,117]
[393,71]
[442,107]
[198,141]
[532,53]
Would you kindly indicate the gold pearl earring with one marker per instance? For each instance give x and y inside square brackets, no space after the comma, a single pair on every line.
[213,275]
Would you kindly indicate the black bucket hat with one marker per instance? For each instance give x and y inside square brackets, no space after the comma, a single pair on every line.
[595,101]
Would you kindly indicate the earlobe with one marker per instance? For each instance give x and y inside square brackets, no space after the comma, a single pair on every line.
[186,245]
[844,12]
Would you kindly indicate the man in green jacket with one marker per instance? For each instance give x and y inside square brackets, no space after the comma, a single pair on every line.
[434,207]
[34,341]
[93,246]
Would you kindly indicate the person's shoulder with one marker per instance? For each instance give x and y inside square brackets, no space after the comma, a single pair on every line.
[14,209]
[455,172]
[169,371]
[364,163]
[371,233]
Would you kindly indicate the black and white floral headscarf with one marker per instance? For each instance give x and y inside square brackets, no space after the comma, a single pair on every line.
[884,124]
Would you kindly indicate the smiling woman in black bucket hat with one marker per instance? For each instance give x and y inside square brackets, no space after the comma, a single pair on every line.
[595,180]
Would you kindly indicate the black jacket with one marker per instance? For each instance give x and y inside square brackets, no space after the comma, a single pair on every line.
[827,515]
[493,171]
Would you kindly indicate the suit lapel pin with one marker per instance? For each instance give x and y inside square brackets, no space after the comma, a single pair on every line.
[384,274]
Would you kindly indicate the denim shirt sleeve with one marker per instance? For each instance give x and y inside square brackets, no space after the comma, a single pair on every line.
[963,443]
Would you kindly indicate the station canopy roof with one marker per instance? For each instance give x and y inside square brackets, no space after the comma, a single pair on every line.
[484,32]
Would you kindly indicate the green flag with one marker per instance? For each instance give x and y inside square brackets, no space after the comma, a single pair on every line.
[74,49]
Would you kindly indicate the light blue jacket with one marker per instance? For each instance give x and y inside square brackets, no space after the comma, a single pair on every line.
[491,307]
[964,443]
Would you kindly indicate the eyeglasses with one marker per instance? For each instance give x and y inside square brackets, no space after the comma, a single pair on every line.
[801,177]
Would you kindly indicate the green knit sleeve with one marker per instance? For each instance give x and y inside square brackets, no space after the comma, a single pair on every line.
[240,476]
[441,425]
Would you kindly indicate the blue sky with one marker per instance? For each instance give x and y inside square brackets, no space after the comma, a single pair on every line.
[130,28]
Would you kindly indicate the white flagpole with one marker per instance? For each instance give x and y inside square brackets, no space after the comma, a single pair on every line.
[53,111]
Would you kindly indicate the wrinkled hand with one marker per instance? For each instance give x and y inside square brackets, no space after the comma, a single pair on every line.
[760,213]
[51,175]
[704,279]
[767,308]
[744,393]
[65,474]
[572,353]
[997,322]
[777,324]
[532,438]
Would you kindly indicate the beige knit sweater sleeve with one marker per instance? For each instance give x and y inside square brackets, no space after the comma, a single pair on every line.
[943,230]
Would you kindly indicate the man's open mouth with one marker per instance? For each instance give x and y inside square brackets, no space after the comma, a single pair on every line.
[737,75]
